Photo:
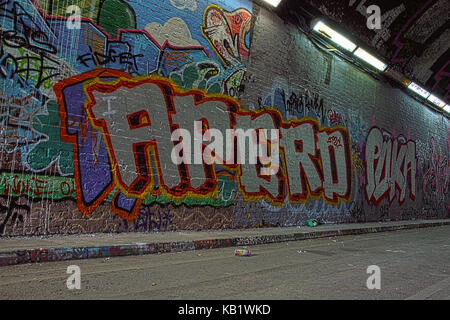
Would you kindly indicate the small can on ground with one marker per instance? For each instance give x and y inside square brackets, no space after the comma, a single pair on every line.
[312,223]
[242,252]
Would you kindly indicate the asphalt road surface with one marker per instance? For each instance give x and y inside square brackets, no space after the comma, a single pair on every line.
[414,264]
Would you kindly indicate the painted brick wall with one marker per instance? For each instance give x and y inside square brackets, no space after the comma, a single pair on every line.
[283,61]
[90,96]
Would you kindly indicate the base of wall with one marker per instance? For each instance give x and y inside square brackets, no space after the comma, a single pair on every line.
[37,250]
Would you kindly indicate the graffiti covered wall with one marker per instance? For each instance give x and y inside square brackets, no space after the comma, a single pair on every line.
[93,93]
[399,148]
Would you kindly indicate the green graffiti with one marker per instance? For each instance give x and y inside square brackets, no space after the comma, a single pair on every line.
[36,186]
[115,15]
[28,66]
[58,8]
[234,82]
[110,15]
[192,78]
[225,196]
[51,149]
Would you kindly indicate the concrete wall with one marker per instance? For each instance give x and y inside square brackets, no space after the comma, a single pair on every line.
[89,106]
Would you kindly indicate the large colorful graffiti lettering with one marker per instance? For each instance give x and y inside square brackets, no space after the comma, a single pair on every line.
[136,116]
[391,164]
[93,92]
[46,41]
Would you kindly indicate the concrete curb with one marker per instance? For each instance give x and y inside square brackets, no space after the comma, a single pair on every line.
[14,257]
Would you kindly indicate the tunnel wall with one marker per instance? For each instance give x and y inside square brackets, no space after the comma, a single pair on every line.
[93,103]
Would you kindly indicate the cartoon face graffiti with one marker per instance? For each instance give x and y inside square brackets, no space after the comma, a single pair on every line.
[227,32]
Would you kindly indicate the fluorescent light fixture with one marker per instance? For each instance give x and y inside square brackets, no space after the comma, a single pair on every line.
[447,108]
[274,3]
[334,36]
[436,101]
[367,57]
[419,90]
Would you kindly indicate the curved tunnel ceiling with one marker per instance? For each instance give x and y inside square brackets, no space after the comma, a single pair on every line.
[413,39]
